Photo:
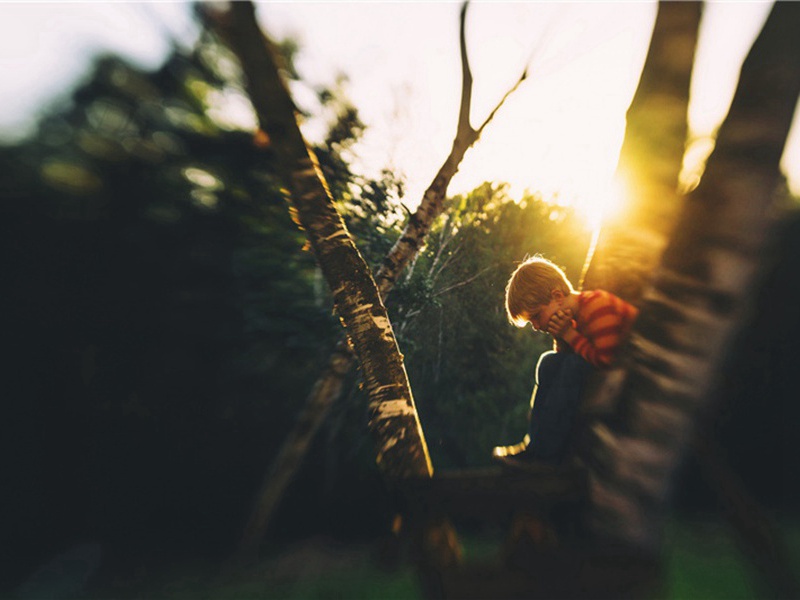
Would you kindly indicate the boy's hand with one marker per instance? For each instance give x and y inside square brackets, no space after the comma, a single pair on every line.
[560,322]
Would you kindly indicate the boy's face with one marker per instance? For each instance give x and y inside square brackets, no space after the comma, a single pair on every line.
[541,314]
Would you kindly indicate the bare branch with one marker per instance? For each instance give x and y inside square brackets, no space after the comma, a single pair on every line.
[432,204]
[511,90]
[443,243]
[462,283]
[447,262]
[464,128]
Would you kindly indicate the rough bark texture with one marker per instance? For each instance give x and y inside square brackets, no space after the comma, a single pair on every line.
[400,445]
[651,156]
[328,386]
[699,298]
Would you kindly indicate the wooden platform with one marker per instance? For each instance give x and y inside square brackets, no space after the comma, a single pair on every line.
[497,490]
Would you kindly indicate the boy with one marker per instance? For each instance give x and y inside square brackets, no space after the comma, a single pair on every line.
[588,327]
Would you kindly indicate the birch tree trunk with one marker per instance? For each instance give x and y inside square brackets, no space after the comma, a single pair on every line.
[650,157]
[328,386]
[401,448]
[700,296]
[650,160]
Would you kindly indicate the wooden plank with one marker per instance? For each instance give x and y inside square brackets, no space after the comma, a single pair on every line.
[497,491]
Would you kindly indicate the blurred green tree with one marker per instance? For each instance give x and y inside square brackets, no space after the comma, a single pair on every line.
[161,307]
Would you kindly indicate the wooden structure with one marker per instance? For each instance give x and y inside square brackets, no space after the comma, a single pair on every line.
[544,550]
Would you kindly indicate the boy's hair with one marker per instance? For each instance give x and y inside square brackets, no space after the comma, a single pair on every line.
[531,285]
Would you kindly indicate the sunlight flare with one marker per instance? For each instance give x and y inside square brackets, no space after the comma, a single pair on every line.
[603,203]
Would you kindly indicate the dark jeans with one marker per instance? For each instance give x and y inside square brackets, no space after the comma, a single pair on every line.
[560,379]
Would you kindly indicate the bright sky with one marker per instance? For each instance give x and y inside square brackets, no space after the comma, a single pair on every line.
[561,130]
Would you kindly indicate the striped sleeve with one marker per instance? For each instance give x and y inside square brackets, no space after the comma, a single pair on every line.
[602,324]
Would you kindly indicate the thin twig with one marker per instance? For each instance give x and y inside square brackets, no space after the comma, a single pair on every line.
[438,371]
[461,283]
[522,78]
[443,243]
[451,257]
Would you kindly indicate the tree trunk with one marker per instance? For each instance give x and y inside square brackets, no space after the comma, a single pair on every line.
[650,159]
[328,386]
[400,445]
[700,296]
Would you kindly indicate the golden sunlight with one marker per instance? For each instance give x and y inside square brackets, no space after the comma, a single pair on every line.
[560,133]
[605,204]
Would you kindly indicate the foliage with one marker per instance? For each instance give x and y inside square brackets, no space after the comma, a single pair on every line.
[164,317]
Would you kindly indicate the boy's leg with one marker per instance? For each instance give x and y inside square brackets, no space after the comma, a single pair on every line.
[544,374]
[542,378]
[546,369]
[560,379]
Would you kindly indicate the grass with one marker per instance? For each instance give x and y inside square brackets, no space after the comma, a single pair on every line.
[312,569]
[703,562]
[355,584]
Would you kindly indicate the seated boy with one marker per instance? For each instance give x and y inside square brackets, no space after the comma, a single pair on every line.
[588,327]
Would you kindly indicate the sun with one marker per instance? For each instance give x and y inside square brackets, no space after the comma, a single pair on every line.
[604,203]
[596,202]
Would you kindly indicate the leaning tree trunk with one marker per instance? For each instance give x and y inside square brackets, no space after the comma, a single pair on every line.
[401,448]
[650,158]
[328,386]
[701,294]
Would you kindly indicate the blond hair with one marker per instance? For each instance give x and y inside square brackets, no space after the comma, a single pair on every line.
[531,285]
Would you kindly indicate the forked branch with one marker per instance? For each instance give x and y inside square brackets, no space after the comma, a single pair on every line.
[465,129]
[432,204]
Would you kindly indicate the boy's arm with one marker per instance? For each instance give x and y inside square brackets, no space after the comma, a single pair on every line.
[591,353]
[604,332]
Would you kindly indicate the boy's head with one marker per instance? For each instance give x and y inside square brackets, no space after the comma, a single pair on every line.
[531,286]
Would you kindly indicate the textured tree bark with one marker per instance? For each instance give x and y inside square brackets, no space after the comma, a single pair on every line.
[650,158]
[328,386]
[701,293]
[400,445]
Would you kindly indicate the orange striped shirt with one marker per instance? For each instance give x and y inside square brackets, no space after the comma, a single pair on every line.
[601,324]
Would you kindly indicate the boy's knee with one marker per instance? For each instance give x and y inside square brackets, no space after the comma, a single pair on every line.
[547,366]
[552,363]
